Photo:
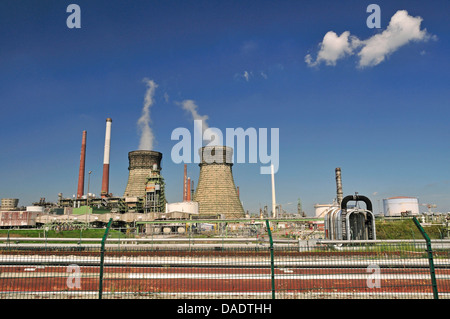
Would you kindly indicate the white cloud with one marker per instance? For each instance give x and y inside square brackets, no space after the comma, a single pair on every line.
[401,30]
[246,75]
[166,97]
[249,47]
[249,75]
[333,48]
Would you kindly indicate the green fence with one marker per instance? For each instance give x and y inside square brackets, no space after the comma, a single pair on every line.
[213,269]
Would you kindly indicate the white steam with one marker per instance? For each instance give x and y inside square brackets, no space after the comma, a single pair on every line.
[147,137]
[191,107]
[201,128]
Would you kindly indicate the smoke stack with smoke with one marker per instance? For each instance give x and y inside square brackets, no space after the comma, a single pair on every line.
[146,142]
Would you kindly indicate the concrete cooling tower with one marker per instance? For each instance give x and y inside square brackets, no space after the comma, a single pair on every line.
[140,165]
[216,192]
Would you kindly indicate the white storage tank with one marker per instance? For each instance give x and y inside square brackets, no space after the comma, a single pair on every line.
[35,209]
[322,209]
[396,206]
[183,207]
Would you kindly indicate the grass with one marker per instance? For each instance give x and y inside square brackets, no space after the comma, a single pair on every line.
[406,229]
[39,233]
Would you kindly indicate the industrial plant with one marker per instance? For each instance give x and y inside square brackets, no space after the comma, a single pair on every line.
[143,200]
[144,207]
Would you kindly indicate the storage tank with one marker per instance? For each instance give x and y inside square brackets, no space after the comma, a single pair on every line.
[395,206]
[35,209]
[185,207]
[322,209]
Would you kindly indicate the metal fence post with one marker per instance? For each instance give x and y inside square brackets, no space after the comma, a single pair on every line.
[430,257]
[102,258]
[272,268]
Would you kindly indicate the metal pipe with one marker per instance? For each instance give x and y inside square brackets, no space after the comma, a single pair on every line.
[274,214]
[80,190]
[356,198]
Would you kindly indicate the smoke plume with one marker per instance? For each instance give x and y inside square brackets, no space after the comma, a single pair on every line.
[191,107]
[147,137]
[211,133]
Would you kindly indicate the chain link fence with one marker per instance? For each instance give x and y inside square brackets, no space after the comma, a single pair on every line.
[224,268]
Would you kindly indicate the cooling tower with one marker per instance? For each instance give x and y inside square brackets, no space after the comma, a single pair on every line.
[140,165]
[216,192]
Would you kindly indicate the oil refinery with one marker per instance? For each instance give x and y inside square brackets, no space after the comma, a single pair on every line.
[144,207]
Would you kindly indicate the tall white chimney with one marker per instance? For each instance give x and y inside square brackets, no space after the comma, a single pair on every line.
[105,179]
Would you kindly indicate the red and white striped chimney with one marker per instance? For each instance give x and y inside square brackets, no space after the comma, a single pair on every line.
[80,191]
[105,179]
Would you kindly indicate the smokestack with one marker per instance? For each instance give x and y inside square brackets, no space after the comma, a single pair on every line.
[192,189]
[339,185]
[184,183]
[80,191]
[188,189]
[105,179]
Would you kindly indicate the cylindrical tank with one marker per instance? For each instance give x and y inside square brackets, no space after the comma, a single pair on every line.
[9,203]
[185,207]
[36,209]
[395,206]
[321,209]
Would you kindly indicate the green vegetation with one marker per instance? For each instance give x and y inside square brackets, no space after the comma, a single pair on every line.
[405,229]
[40,233]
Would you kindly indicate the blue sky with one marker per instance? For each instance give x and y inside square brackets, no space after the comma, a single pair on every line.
[385,125]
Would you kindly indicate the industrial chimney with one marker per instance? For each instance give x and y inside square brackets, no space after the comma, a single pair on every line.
[184,183]
[188,192]
[80,191]
[140,165]
[105,179]
[340,194]
[216,192]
